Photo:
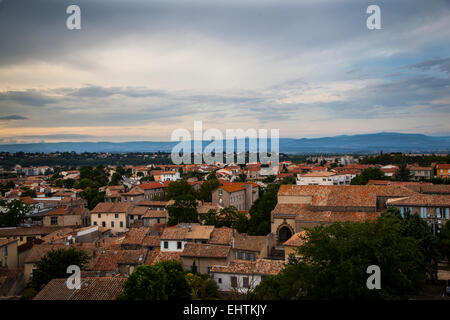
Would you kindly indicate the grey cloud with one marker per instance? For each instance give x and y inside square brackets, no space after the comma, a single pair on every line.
[439,64]
[57,136]
[29,98]
[13,117]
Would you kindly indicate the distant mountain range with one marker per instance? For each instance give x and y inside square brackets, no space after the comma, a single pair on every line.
[361,143]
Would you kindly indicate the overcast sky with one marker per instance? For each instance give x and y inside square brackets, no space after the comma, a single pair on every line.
[137,70]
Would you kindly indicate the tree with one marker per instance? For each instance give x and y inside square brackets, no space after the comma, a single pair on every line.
[335,258]
[177,287]
[403,173]
[161,281]
[444,241]
[206,189]
[289,180]
[269,179]
[93,196]
[54,265]
[116,179]
[241,178]
[179,188]
[368,174]
[14,212]
[259,223]
[226,217]
[419,229]
[183,210]
[27,192]
[145,283]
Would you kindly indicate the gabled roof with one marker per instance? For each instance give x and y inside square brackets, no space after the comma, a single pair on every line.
[260,266]
[107,207]
[135,236]
[101,288]
[221,235]
[150,185]
[204,250]
[423,200]
[296,240]
[243,241]
[344,196]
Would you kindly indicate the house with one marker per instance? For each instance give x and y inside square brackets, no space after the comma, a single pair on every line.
[240,195]
[324,178]
[136,214]
[99,288]
[154,205]
[130,260]
[111,215]
[39,251]
[175,238]
[202,256]
[8,253]
[26,234]
[164,176]
[421,173]
[302,207]
[145,191]
[67,216]
[245,247]
[113,193]
[389,170]
[435,209]
[160,256]
[442,170]
[152,217]
[242,275]
[293,243]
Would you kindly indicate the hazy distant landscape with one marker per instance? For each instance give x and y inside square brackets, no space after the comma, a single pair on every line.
[363,143]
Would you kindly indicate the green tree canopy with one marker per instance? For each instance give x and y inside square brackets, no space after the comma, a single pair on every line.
[444,241]
[335,260]
[183,210]
[179,188]
[13,213]
[259,223]
[54,265]
[368,174]
[161,281]
[403,173]
[206,189]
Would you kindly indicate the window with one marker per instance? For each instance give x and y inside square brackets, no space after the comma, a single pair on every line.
[239,255]
[99,215]
[116,215]
[121,224]
[447,213]
[233,281]
[112,224]
[178,244]
[103,224]
[219,280]
[245,282]
[95,223]
[166,245]
[158,220]
[423,212]
[402,211]
[53,220]
[250,256]
[208,270]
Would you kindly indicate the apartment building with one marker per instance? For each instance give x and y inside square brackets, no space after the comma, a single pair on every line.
[111,215]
